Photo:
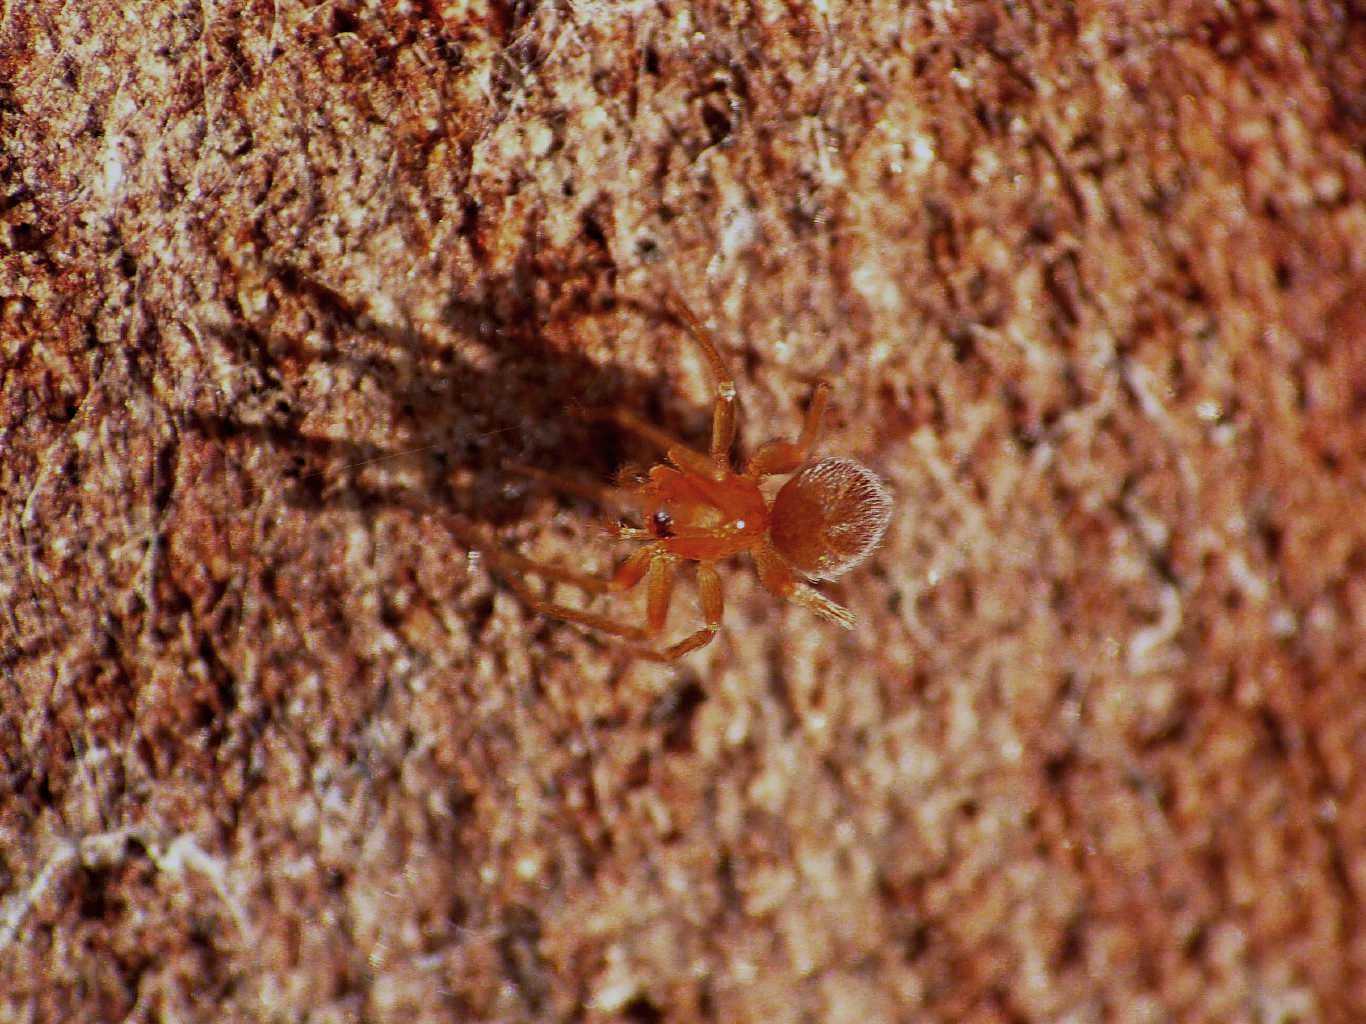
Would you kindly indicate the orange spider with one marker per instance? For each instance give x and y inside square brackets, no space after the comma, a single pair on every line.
[825,520]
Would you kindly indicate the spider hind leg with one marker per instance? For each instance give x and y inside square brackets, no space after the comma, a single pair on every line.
[779,579]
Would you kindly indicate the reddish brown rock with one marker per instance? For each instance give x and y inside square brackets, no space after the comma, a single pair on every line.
[283,288]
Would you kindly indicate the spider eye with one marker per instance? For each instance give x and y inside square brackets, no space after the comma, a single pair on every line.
[662,524]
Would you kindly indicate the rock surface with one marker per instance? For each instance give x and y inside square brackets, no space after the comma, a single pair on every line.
[283,289]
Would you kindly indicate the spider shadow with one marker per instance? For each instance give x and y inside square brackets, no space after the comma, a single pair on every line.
[504,393]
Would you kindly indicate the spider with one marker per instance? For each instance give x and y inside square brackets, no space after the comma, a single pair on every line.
[825,519]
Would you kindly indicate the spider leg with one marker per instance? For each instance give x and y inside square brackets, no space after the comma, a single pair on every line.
[512,567]
[659,592]
[653,564]
[678,453]
[785,456]
[661,579]
[723,413]
[779,579]
[611,497]
[651,560]
[626,576]
[717,464]
[617,499]
[713,604]
[575,615]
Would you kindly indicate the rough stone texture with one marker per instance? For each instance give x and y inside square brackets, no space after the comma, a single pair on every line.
[1090,280]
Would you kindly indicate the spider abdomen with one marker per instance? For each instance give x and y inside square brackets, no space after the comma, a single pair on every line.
[829,517]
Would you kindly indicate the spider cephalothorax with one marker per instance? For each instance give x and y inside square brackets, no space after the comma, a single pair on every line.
[825,519]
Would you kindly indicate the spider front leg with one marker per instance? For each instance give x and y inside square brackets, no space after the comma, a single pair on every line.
[678,453]
[713,606]
[615,498]
[659,581]
[651,563]
[723,412]
[779,579]
[785,456]
[511,566]
[717,464]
